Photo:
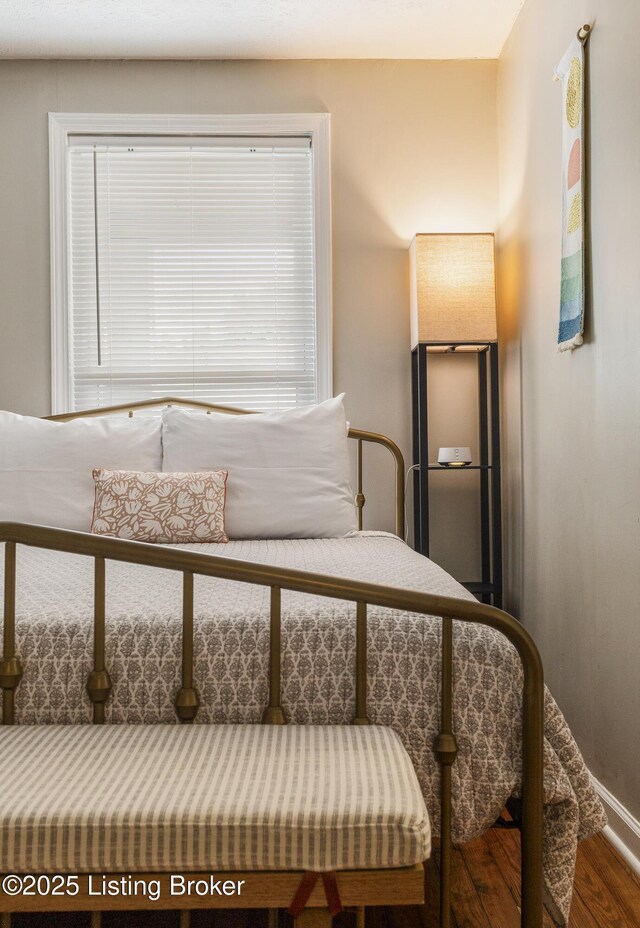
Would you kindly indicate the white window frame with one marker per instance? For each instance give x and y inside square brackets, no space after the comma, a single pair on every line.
[314,125]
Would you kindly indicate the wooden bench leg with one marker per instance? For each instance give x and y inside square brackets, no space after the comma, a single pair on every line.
[185,918]
[5,920]
[314,918]
[360,917]
[274,918]
[96,920]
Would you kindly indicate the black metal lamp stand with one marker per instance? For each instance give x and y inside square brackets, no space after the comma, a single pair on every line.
[489,588]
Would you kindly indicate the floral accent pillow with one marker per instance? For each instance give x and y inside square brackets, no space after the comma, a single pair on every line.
[161,508]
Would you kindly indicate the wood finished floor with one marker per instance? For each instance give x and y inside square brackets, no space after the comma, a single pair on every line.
[486,895]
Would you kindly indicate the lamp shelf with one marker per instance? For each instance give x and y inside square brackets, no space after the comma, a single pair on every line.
[479,588]
[463,468]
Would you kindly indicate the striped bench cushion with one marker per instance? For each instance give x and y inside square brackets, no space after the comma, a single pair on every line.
[186,798]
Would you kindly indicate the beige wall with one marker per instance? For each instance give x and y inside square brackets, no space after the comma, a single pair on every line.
[573,419]
[414,149]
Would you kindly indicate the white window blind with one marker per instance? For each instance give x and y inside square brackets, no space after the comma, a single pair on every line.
[191,271]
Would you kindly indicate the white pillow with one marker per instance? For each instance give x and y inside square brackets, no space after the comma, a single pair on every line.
[288,471]
[46,468]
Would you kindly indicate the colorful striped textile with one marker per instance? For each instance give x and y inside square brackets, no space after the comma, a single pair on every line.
[145,798]
[571,72]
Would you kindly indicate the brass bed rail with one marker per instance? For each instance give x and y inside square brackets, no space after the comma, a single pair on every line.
[358,435]
[190,563]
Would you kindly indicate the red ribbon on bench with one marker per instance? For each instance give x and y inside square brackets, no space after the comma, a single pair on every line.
[306,887]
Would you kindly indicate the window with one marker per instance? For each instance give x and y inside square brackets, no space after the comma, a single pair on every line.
[194,264]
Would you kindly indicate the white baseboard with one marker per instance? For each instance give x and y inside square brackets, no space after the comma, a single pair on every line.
[623,830]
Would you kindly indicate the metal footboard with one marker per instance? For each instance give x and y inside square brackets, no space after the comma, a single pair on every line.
[189,563]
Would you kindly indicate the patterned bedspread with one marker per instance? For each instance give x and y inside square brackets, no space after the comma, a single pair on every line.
[54,630]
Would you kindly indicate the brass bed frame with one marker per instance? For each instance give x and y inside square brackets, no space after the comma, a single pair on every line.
[190,563]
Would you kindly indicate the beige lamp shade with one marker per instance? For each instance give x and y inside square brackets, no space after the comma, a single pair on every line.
[453,288]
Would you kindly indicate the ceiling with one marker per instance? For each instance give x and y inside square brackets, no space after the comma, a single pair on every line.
[255,28]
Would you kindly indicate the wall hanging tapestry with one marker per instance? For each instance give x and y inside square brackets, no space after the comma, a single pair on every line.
[571,71]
